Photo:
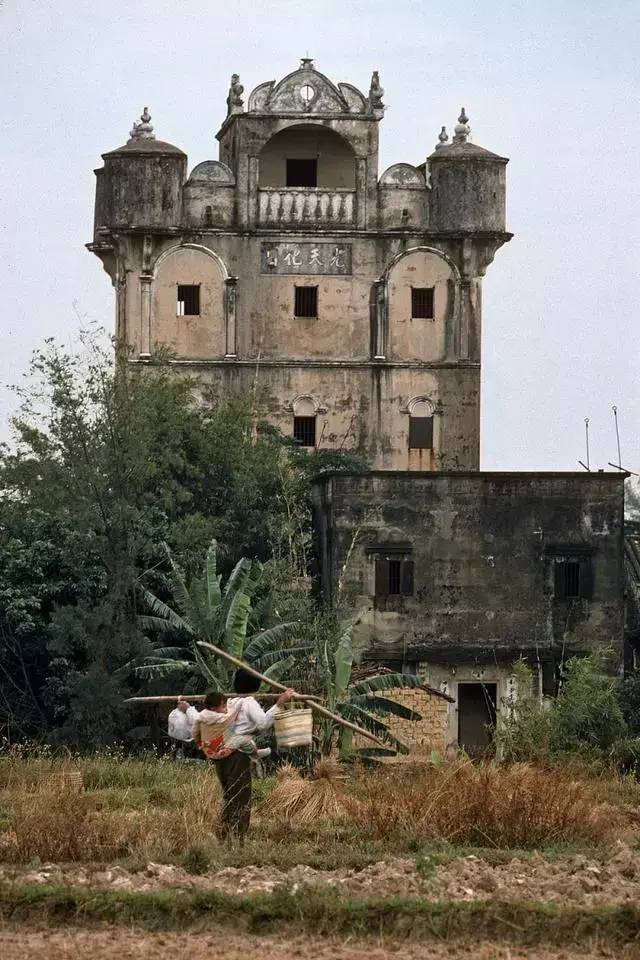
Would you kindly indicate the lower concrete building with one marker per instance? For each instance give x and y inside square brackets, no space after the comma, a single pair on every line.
[456,576]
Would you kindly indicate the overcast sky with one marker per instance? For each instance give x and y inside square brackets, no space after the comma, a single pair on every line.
[552,85]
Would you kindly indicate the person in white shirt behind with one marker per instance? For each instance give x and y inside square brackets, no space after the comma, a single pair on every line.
[180,728]
[234,771]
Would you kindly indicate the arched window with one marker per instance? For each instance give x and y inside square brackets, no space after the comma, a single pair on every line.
[304,421]
[420,424]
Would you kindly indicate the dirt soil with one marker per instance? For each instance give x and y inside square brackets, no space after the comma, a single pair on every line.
[576,879]
[118,944]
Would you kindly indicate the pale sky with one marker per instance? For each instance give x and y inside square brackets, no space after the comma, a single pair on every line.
[552,85]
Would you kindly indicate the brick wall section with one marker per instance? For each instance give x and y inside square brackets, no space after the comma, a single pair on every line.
[421,736]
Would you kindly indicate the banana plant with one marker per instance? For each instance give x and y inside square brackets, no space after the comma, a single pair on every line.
[362,701]
[205,609]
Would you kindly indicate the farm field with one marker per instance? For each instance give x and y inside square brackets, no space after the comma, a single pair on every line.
[456,859]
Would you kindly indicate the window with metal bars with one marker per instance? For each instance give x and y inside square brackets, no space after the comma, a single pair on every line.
[573,577]
[394,576]
[422,303]
[306,302]
[302,172]
[421,433]
[304,431]
[188,301]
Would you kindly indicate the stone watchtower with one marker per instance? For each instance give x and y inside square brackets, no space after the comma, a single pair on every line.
[352,300]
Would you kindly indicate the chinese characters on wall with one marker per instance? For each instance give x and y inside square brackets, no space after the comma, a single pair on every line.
[331,259]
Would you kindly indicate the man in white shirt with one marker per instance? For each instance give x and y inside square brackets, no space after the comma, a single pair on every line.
[234,772]
[180,728]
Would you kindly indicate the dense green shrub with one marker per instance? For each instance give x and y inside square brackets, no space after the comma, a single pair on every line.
[585,718]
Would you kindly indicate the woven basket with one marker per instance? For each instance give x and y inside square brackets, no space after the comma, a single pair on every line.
[293,728]
[67,780]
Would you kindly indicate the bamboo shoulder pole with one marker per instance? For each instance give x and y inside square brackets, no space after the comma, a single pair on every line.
[278,686]
[199,697]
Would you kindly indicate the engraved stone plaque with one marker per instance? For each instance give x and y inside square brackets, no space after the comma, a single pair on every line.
[330,259]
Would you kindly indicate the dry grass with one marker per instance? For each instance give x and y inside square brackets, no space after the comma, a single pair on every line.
[486,804]
[60,825]
[156,810]
[305,802]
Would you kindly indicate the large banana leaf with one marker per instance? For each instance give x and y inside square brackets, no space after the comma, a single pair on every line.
[264,642]
[371,723]
[280,669]
[214,593]
[267,659]
[235,628]
[382,706]
[388,681]
[343,660]
[172,652]
[239,578]
[164,617]
[165,668]
[180,590]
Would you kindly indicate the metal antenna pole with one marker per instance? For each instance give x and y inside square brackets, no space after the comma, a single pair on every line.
[615,418]
[586,430]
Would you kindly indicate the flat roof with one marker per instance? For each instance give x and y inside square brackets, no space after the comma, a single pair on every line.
[481,474]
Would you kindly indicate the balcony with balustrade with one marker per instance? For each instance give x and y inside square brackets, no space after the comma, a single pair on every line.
[299,206]
[306,178]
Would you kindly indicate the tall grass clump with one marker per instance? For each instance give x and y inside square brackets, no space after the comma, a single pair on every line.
[487,804]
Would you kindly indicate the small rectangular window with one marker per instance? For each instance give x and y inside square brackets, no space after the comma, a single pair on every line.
[421,433]
[188,304]
[302,173]
[422,303]
[573,578]
[394,577]
[306,302]
[304,431]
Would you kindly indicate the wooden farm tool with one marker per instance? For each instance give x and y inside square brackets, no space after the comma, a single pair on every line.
[299,696]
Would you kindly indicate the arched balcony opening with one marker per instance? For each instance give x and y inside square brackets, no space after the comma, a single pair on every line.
[306,174]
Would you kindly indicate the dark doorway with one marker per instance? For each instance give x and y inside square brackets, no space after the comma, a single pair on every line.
[302,173]
[476,717]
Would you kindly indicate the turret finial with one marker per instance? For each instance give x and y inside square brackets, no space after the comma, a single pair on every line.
[443,137]
[462,128]
[306,63]
[235,103]
[144,129]
[376,93]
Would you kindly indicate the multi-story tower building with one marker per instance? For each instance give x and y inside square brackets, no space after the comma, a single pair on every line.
[352,300]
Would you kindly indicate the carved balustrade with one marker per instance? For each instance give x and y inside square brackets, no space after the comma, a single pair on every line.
[295,206]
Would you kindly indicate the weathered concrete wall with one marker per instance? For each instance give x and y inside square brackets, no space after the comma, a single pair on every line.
[362,409]
[482,547]
[202,336]
[420,339]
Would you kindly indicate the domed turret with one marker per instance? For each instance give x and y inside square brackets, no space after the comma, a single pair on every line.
[141,182]
[468,184]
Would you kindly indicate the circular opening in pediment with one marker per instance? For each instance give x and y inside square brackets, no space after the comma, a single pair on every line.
[307,92]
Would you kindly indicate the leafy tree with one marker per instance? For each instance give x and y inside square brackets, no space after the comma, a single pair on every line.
[362,702]
[108,461]
[225,616]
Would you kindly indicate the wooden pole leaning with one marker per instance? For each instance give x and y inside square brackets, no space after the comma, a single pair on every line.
[199,697]
[279,686]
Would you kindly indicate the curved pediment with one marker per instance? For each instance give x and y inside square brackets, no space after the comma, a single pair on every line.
[403,175]
[306,91]
[212,171]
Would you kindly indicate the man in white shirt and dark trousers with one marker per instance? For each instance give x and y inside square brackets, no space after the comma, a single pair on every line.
[234,772]
[180,729]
